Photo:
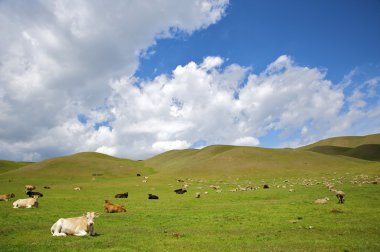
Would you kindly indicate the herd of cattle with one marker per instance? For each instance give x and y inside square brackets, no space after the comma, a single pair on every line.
[84,225]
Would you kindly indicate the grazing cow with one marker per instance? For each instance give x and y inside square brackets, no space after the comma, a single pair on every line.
[198,195]
[340,196]
[6,197]
[122,195]
[266,186]
[113,208]
[26,203]
[138,175]
[151,196]
[47,187]
[31,194]
[29,187]
[180,191]
[78,226]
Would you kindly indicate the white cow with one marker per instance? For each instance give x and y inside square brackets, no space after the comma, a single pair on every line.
[78,226]
[27,203]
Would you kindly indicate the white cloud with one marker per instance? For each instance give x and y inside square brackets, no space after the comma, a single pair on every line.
[58,56]
[61,59]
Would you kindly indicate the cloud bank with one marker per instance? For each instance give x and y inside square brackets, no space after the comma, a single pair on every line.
[67,84]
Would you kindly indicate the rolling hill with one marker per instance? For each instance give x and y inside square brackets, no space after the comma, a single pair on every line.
[83,164]
[361,147]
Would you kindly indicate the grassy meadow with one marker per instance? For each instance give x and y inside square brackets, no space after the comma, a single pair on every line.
[273,219]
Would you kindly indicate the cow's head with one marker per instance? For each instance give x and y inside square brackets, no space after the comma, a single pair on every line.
[90,216]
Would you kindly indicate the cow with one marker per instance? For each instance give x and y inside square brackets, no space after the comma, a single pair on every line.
[78,226]
[340,196]
[122,195]
[29,187]
[113,208]
[198,195]
[151,196]
[180,191]
[138,175]
[78,188]
[266,186]
[47,187]
[26,203]
[31,194]
[6,197]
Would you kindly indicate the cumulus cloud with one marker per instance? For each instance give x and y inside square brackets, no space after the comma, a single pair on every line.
[58,56]
[67,84]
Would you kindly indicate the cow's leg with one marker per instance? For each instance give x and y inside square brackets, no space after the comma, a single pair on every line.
[81,233]
[57,228]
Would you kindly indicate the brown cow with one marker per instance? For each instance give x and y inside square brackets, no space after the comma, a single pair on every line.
[6,197]
[113,208]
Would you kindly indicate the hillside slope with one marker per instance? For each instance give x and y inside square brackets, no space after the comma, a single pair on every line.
[221,160]
[362,147]
[346,141]
[83,164]
[6,165]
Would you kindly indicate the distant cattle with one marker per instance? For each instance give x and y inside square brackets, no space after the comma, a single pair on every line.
[113,208]
[180,180]
[79,226]
[26,203]
[31,194]
[77,188]
[198,195]
[340,196]
[29,187]
[151,196]
[47,187]
[138,175]
[122,195]
[6,197]
[266,186]
[180,191]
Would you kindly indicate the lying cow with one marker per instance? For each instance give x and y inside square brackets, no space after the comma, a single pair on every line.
[122,195]
[180,191]
[6,197]
[31,194]
[29,187]
[26,203]
[151,196]
[113,208]
[78,226]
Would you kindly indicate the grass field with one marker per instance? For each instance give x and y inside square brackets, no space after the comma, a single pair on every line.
[271,219]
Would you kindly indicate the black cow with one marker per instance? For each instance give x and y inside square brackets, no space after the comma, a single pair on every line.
[47,187]
[151,196]
[266,186]
[138,175]
[31,194]
[122,195]
[180,191]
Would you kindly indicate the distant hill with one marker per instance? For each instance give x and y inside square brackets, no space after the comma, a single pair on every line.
[362,147]
[6,165]
[82,165]
[222,160]
[346,141]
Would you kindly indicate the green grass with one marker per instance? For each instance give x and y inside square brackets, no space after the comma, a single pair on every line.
[257,220]
[347,141]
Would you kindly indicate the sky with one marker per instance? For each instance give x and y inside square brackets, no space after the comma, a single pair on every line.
[136,78]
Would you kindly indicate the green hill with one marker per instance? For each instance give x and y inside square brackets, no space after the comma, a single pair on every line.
[83,164]
[6,165]
[346,141]
[222,161]
[362,147]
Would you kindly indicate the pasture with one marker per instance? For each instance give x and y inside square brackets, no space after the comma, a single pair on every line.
[281,218]
[257,220]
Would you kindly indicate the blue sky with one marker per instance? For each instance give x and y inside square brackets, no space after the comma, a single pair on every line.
[134,79]
[337,35]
